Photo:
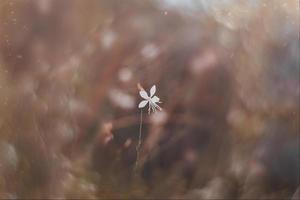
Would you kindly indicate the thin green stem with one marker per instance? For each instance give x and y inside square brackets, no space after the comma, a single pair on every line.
[138,146]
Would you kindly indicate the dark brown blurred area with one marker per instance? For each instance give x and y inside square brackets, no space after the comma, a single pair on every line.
[227,73]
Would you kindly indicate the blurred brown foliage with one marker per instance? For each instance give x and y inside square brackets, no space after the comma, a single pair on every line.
[228,75]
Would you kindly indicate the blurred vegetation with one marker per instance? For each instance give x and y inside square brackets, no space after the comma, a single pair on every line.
[227,73]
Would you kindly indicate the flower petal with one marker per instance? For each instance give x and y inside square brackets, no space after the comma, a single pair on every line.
[144,94]
[143,103]
[152,90]
[155,99]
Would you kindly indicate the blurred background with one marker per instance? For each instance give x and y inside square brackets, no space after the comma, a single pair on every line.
[227,73]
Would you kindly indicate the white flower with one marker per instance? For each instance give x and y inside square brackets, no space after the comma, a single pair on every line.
[152,100]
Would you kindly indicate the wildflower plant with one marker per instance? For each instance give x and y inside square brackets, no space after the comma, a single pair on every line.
[152,102]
